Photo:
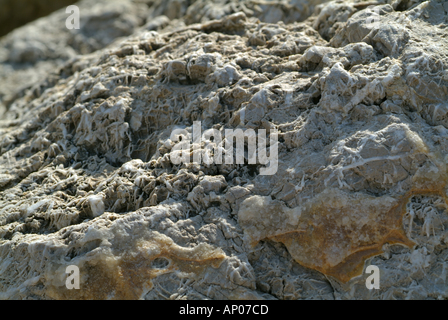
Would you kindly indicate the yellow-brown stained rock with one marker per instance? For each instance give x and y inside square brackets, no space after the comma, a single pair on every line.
[127,276]
[335,232]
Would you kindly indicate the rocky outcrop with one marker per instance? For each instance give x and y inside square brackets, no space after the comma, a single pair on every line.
[355,96]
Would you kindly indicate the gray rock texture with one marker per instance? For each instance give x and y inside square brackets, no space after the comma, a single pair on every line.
[355,92]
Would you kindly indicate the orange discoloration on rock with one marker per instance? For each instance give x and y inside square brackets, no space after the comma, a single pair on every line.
[337,231]
[128,276]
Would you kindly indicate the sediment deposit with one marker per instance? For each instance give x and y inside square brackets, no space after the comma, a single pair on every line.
[356,91]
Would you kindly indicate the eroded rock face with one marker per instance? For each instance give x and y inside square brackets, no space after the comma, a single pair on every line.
[87,179]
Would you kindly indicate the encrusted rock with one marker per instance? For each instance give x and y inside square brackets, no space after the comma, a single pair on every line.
[354,92]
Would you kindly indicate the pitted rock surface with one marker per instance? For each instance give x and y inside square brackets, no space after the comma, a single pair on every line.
[356,91]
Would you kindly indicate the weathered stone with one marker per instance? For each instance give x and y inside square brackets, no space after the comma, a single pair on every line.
[87,176]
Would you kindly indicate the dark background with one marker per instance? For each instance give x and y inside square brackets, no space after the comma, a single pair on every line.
[15,13]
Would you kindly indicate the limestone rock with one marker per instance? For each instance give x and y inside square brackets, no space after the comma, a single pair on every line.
[355,94]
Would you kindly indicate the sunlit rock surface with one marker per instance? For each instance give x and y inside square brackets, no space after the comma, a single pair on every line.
[358,95]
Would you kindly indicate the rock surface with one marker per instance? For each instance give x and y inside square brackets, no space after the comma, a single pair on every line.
[356,91]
